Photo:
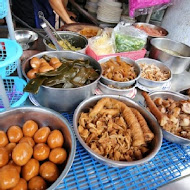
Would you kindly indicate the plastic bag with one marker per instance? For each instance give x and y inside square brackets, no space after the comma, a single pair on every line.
[141,4]
[128,38]
[102,44]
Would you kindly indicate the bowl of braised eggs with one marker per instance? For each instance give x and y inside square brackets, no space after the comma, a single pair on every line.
[37,148]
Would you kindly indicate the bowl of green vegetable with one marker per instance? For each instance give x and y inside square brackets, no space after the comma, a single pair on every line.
[70,41]
[64,87]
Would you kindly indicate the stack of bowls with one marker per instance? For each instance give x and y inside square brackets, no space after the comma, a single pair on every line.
[109,11]
[121,88]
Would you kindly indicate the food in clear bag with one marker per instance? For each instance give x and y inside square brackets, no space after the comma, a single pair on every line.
[102,44]
[128,38]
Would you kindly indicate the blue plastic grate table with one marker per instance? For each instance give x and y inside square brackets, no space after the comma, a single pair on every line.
[87,173]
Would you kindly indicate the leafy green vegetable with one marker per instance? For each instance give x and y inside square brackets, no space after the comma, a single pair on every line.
[126,43]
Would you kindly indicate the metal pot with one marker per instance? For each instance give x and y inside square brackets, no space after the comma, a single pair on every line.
[75,39]
[177,63]
[63,99]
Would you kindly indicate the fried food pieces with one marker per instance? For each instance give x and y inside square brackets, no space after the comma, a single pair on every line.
[118,70]
[115,131]
[173,116]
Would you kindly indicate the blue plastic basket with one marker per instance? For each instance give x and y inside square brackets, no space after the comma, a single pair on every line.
[14,88]
[10,52]
[3,8]
[87,173]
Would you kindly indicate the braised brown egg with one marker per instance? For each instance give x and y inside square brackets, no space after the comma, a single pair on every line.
[37,183]
[29,128]
[46,68]
[41,151]
[3,139]
[49,171]
[55,139]
[35,62]
[41,135]
[31,74]
[10,148]
[4,156]
[57,65]
[9,177]
[30,169]
[22,153]
[14,134]
[28,140]
[21,185]
[58,155]
[18,168]
[54,60]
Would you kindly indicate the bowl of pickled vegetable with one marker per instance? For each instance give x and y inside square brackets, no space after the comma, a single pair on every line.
[60,80]
[70,41]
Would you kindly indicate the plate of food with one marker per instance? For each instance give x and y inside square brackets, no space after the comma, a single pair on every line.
[84,29]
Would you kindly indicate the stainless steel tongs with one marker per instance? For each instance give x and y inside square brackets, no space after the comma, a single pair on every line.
[48,29]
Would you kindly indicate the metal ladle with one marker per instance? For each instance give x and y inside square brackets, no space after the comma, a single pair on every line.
[48,27]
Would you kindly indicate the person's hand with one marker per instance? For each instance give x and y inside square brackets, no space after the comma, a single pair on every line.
[71,14]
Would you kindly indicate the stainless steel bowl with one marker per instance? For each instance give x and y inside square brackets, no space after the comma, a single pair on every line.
[61,99]
[151,83]
[158,28]
[107,81]
[151,26]
[177,64]
[75,39]
[115,91]
[26,38]
[155,144]
[177,97]
[44,117]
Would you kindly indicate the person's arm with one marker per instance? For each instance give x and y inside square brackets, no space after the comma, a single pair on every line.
[59,8]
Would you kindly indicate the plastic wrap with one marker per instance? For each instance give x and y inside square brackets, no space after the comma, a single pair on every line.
[128,38]
[144,4]
[102,44]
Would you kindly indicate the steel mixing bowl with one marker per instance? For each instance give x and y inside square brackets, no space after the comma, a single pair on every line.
[151,26]
[177,97]
[161,66]
[73,38]
[155,144]
[44,117]
[118,84]
[115,91]
[63,99]
[25,38]
[177,63]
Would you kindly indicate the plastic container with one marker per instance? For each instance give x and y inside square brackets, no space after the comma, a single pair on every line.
[14,89]
[3,8]
[10,52]
[132,54]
